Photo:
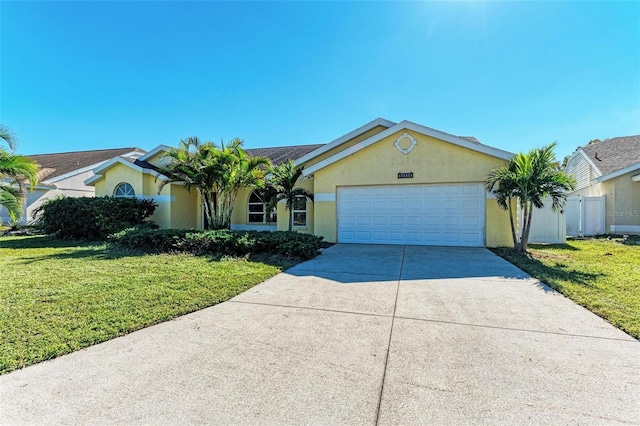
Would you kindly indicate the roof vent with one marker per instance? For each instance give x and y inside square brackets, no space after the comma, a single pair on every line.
[597,157]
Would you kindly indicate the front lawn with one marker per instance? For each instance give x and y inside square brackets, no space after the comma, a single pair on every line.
[58,296]
[602,275]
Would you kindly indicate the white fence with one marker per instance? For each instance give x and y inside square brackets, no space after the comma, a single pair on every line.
[585,215]
[547,226]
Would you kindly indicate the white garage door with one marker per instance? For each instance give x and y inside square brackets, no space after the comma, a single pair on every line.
[448,215]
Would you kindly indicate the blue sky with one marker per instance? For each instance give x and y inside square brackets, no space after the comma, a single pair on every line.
[516,75]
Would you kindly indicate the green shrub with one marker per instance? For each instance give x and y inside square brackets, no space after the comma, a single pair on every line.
[225,242]
[92,218]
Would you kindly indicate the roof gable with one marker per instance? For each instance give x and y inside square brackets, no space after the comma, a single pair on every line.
[344,138]
[135,164]
[465,142]
[155,152]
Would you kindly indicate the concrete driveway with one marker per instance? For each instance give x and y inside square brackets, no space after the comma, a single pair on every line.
[360,335]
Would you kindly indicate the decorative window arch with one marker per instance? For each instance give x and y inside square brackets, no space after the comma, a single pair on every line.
[257,210]
[124,190]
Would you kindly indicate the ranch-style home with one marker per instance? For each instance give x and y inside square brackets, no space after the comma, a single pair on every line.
[382,183]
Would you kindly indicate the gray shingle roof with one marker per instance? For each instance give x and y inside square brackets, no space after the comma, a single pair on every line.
[54,165]
[281,154]
[614,154]
[277,155]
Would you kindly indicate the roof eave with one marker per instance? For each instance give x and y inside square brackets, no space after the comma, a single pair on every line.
[154,151]
[619,172]
[408,125]
[344,138]
[117,160]
[43,186]
[74,173]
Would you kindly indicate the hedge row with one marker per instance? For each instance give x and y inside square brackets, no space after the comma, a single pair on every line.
[225,242]
[92,218]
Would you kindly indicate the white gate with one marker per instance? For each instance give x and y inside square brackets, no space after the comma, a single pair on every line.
[585,215]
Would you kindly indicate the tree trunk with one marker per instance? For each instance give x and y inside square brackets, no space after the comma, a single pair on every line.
[290,208]
[525,234]
[206,201]
[513,227]
[525,225]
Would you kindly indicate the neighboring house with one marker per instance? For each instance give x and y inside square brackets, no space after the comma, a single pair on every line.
[611,168]
[382,183]
[64,174]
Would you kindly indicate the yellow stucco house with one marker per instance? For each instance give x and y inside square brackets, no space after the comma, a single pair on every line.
[382,183]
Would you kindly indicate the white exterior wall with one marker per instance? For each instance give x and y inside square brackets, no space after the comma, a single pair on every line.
[579,167]
[76,183]
[72,186]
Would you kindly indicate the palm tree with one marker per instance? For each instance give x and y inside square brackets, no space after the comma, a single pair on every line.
[239,170]
[528,179]
[15,172]
[280,185]
[8,137]
[217,173]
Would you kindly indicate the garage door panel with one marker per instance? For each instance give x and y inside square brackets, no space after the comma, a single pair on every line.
[448,214]
[471,238]
[414,237]
[414,220]
[363,235]
[472,221]
[472,190]
[471,204]
[347,236]
[380,235]
[363,220]
[380,220]
[453,205]
[450,220]
[413,205]
[396,220]
[451,190]
[396,237]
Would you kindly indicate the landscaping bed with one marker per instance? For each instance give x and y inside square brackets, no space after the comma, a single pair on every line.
[58,296]
[601,274]
[220,242]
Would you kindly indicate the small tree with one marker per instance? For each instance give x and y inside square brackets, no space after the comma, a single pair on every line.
[280,185]
[217,173]
[527,179]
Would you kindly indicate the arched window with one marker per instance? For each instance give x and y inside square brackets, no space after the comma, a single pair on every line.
[257,209]
[124,190]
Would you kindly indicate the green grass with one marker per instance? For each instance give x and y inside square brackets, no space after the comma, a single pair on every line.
[57,296]
[603,275]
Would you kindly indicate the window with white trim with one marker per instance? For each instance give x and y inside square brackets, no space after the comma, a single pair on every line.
[257,210]
[124,190]
[299,212]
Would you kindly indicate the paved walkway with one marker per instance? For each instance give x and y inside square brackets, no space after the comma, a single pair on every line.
[360,335]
